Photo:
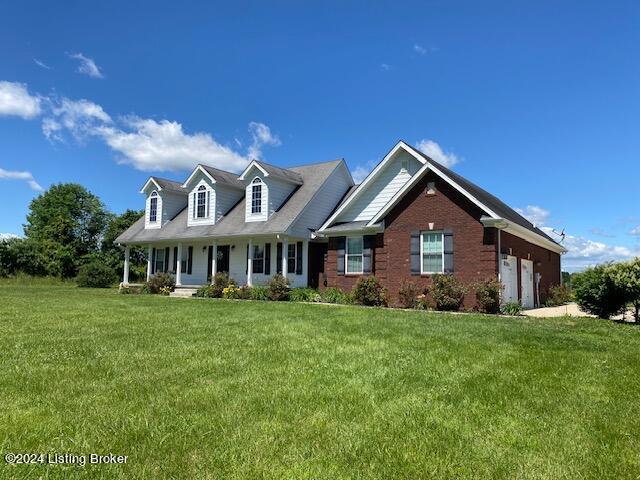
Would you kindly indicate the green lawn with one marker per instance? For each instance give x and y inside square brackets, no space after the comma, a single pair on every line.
[215,389]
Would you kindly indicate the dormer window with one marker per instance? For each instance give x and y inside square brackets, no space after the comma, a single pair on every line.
[201,202]
[256,196]
[153,207]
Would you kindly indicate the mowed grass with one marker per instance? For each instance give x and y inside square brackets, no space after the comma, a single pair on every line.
[216,389]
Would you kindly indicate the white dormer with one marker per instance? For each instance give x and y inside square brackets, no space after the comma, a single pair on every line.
[164,199]
[153,211]
[202,201]
[257,201]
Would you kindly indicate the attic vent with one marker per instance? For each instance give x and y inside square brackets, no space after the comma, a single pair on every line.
[431,188]
[405,164]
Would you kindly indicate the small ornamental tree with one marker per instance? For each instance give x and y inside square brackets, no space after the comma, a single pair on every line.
[627,279]
[598,291]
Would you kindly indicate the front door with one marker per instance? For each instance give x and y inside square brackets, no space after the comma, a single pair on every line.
[223,259]
[526,282]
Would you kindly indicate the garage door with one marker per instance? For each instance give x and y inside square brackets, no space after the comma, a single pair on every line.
[526,279]
[509,277]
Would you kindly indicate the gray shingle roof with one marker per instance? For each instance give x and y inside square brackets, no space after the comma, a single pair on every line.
[289,174]
[233,223]
[223,177]
[494,203]
[170,185]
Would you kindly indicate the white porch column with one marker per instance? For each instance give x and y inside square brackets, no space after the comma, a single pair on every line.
[250,263]
[179,266]
[214,260]
[149,263]
[125,275]
[285,255]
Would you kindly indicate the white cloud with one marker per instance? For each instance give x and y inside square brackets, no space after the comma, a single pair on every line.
[419,49]
[360,173]
[16,100]
[150,145]
[7,236]
[87,66]
[41,64]
[535,214]
[16,175]
[635,231]
[433,150]
[385,67]
[601,233]
[79,117]
[261,135]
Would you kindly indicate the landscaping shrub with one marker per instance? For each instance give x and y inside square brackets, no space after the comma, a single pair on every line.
[447,292]
[259,293]
[369,291]
[279,288]
[558,295]
[231,292]
[597,291]
[335,295]
[158,281]
[408,295]
[304,295]
[488,295]
[130,289]
[627,278]
[511,308]
[95,274]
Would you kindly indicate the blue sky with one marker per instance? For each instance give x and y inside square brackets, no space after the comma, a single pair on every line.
[538,103]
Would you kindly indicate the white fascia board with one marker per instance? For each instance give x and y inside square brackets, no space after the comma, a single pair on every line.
[377,228]
[151,180]
[523,233]
[369,178]
[196,170]
[249,167]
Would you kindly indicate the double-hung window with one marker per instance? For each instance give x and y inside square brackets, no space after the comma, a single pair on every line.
[354,255]
[159,267]
[291,258]
[258,259]
[201,202]
[432,252]
[256,196]
[153,207]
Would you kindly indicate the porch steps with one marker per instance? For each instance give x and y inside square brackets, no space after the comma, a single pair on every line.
[183,292]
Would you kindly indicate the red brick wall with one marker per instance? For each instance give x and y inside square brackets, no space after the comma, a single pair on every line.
[474,246]
[545,261]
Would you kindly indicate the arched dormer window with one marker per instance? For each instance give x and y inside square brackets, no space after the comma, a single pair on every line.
[153,207]
[201,202]
[256,196]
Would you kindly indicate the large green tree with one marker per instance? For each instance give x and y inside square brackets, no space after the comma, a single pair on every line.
[113,255]
[67,223]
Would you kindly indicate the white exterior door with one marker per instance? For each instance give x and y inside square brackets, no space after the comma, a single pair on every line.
[526,282]
[509,278]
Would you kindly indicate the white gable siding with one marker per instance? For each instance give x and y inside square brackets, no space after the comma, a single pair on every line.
[211,219]
[147,223]
[263,215]
[278,192]
[323,203]
[381,189]
[226,198]
[172,203]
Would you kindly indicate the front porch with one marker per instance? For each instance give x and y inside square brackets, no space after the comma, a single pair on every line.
[249,261]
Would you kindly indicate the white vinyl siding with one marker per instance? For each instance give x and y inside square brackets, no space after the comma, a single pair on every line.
[226,197]
[354,255]
[273,193]
[264,198]
[381,189]
[432,252]
[205,187]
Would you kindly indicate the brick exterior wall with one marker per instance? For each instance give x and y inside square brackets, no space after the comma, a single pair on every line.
[475,247]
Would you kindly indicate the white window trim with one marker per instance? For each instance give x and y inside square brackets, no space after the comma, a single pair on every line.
[426,232]
[156,269]
[204,190]
[295,257]
[254,260]
[346,256]
[152,196]
[254,184]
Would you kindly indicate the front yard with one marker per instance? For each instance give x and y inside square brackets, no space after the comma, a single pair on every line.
[220,389]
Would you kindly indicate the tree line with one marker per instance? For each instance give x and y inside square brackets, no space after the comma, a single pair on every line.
[68,227]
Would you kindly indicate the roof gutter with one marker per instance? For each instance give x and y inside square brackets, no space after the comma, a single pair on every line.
[375,228]
[524,233]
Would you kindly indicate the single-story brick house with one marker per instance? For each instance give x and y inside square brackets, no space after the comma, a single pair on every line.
[409,219]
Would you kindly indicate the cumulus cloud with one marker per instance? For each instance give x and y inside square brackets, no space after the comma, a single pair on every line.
[535,214]
[7,236]
[433,150]
[150,145]
[16,100]
[635,231]
[16,175]
[360,173]
[78,117]
[87,65]
[261,135]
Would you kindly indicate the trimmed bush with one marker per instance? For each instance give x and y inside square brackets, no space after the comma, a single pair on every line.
[279,288]
[598,293]
[369,291]
[96,274]
[260,293]
[304,295]
[511,308]
[335,295]
[408,295]
[158,281]
[627,278]
[558,295]
[447,292]
[488,295]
